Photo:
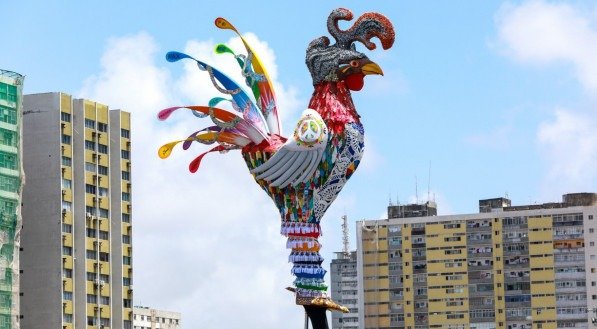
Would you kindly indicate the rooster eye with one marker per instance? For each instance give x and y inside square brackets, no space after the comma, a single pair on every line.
[354,63]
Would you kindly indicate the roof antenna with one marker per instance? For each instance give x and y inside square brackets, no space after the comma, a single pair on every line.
[416,189]
[345,241]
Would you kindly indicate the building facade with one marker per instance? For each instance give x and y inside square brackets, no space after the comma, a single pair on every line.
[77,247]
[149,318]
[506,267]
[343,280]
[11,173]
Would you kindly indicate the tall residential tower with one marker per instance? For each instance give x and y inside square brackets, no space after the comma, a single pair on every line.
[11,115]
[507,267]
[77,247]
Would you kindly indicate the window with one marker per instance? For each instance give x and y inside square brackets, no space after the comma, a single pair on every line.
[126,175]
[102,170]
[8,160]
[8,115]
[101,148]
[125,154]
[91,276]
[90,210]
[66,183]
[91,254]
[92,299]
[591,230]
[89,123]
[127,303]
[126,260]
[66,161]
[65,116]
[104,235]
[67,228]
[90,167]
[104,213]
[126,196]
[126,218]
[104,256]
[9,183]
[126,238]
[125,133]
[89,145]
[103,191]
[67,295]
[67,273]
[8,137]
[66,205]
[67,251]
[126,281]
[90,188]
[103,127]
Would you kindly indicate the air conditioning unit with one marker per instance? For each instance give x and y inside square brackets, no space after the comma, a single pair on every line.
[88,215]
[63,211]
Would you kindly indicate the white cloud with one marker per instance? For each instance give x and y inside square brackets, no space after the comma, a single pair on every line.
[206,244]
[569,144]
[539,32]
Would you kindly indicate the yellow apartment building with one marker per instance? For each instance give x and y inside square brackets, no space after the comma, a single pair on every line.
[506,267]
[77,234]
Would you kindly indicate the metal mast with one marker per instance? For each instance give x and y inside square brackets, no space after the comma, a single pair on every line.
[345,241]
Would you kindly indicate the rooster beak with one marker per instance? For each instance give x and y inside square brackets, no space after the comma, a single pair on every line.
[371,68]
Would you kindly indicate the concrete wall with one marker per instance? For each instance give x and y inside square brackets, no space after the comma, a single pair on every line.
[41,280]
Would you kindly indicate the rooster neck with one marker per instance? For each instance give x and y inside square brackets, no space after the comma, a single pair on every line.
[332,100]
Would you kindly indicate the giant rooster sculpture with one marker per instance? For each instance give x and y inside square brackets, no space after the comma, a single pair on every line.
[303,173]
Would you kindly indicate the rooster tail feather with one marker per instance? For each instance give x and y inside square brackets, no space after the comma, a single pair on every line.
[194,165]
[228,87]
[265,95]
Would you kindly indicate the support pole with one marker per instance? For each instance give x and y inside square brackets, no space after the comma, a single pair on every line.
[318,316]
[306,320]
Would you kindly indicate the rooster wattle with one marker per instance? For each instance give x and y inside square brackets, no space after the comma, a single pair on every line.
[304,173]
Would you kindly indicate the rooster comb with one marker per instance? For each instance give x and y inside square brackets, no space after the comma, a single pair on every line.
[367,26]
[322,58]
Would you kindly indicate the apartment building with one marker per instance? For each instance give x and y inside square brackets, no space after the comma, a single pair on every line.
[506,267]
[77,246]
[11,172]
[343,280]
[150,318]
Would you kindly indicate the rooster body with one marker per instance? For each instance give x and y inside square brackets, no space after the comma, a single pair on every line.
[305,172]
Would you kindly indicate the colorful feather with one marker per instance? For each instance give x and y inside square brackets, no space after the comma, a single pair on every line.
[267,98]
[249,110]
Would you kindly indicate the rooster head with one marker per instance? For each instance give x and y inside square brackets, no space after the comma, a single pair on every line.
[341,61]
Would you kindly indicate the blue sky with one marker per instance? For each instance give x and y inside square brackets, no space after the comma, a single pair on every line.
[496,97]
